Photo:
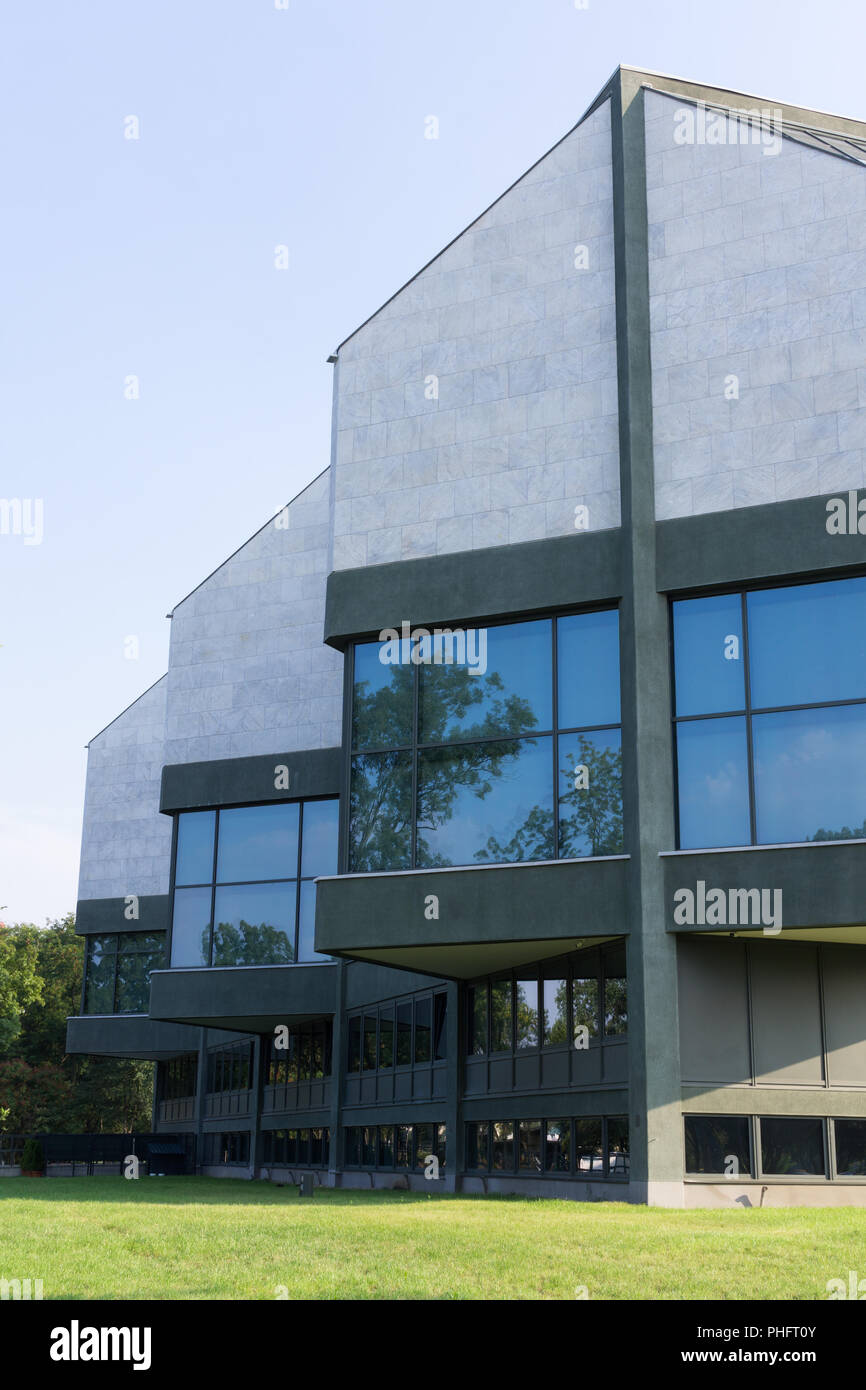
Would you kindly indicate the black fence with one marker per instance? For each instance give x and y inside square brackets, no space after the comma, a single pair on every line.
[89,1154]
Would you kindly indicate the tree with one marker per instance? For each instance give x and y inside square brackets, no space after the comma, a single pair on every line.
[20,983]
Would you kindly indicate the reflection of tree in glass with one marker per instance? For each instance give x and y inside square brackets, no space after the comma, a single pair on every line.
[527,1016]
[592,815]
[615,1005]
[250,945]
[590,819]
[858,833]
[556,1027]
[381,799]
[584,993]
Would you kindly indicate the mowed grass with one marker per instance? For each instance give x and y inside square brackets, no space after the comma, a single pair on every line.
[211,1238]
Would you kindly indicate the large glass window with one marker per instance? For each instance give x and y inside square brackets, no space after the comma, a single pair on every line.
[306,1056]
[770,714]
[718,1144]
[850,1148]
[591,1147]
[395,1146]
[421,1024]
[244,890]
[792,1147]
[557,1004]
[487,745]
[117,971]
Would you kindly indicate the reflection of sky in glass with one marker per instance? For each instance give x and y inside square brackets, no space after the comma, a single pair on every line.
[190,926]
[806,643]
[307,926]
[319,838]
[520,655]
[706,681]
[258,842]
[713,783]
[195,847]
[810,772]
[587,653]
[523,782]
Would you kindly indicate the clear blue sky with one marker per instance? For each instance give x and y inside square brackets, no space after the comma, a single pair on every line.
[154,257]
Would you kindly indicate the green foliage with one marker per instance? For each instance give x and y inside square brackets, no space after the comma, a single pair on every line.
[33,1157]
[42,1089]
[20,984]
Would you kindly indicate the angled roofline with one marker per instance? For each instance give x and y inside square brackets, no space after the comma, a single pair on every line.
[749,96]
[127,709]
[794,115]
[269,521]
[602,96]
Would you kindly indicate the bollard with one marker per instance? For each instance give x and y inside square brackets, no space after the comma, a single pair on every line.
[305,1186]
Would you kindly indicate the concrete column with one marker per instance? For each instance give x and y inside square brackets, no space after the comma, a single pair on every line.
[654,1079]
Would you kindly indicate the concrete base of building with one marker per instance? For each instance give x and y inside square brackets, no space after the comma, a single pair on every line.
[804,1194]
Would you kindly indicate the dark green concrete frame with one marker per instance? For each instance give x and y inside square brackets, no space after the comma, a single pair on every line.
[473,586]
[823,884]
[488,918]
[102,916]
[244,781]
[244,999]
[128,1035]
[779,540]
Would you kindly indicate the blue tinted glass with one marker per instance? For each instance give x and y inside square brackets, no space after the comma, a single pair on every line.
[485,803]
[254,924]
[713,783]
[190,930]
[307,925]
[319,838]
[383,696]
[587,652]
[807,643]
[708,655]
[380,812]
[810,774]
[194,863]
[258,842]
[590,794]
[495,680]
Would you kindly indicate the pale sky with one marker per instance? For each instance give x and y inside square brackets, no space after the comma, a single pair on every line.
[258,126]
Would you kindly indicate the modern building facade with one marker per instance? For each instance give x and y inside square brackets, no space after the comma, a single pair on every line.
[500,822]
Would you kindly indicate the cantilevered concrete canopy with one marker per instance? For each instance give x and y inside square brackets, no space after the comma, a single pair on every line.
[128,1035]
[460,923]
[245,998]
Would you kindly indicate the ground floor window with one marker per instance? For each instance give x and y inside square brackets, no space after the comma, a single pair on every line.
[231,1149]
[793,1146]
[587,1147]
[400,1147]
[297,1147]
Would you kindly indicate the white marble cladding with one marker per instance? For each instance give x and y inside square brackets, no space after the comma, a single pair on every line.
[125,842]
[248,670]
[479,406]
[757,271]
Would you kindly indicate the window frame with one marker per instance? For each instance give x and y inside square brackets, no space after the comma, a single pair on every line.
[415,747]
[115,956]
[214,886]
[749,710]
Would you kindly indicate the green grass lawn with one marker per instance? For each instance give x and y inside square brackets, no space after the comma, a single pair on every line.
[210,1238]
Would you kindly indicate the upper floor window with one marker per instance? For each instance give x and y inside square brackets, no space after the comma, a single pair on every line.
[244,891]
[381,1036]
[770,712]
[117,971]
[567,1002]
[487,745]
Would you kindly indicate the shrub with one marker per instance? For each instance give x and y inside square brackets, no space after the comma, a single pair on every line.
[33,1157]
